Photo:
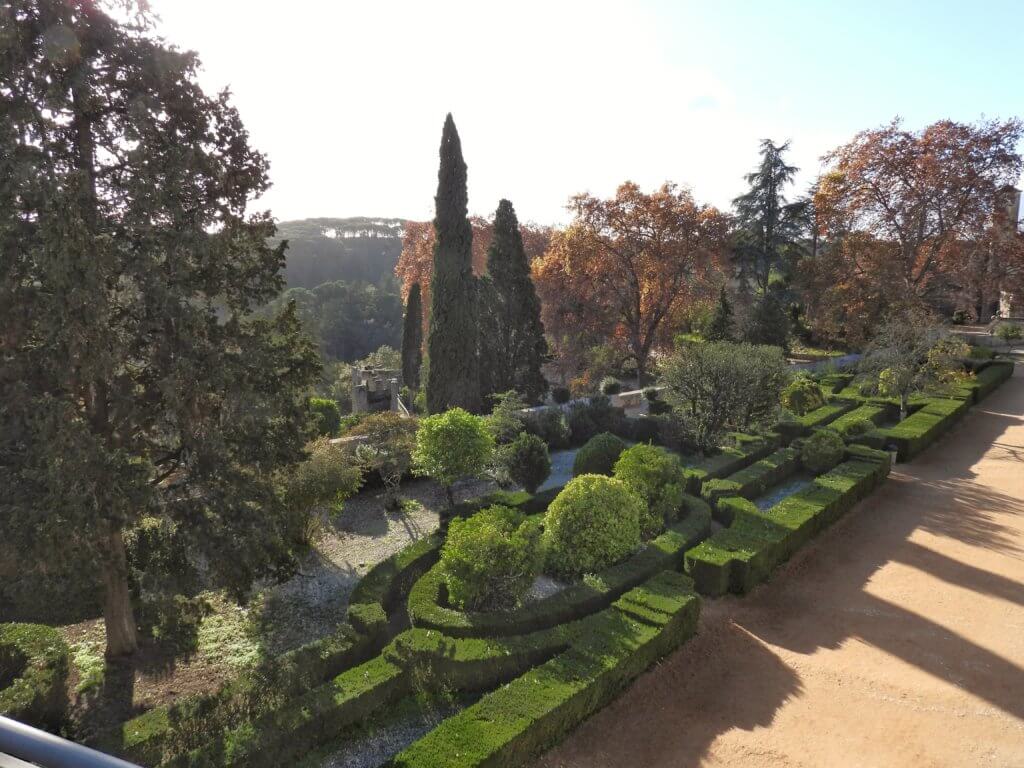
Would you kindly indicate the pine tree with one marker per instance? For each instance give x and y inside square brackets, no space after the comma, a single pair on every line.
[454,376]
[513,349]
[412,339]
[721,327]
[136,381]
[769,227]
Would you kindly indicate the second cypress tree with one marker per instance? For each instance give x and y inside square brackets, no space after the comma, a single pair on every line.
[412,339]
[721,327]
[513,348]
[453,378]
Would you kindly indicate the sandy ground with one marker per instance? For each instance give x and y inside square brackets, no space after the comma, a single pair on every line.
[897,639]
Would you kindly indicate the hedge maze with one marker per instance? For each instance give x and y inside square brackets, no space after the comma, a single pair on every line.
[538,669]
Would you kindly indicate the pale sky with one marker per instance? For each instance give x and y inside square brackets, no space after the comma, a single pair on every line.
[554,98]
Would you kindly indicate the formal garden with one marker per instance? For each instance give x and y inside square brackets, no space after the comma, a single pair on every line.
[237,528]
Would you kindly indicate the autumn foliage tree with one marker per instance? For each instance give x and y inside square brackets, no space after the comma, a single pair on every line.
[625,264]
[896,208]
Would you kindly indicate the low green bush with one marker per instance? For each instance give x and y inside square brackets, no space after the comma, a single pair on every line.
[550,425]
[924,426]
[651,394]
[657,477]
[803,425]
[859,427]
[750,482]
[490,559]
[428,611]
[326,416]
[34,663]
[728,460]
[1009,331]
[598,456]
[981,353]
[610,386]
[872,412]
[512,724]
[593,523]
[822,451]
[527,461]
[560,395]
[802,395]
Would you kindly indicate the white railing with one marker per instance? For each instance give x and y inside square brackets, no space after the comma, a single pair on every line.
[25,743]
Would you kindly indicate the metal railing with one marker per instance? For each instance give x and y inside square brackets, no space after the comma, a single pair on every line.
[24,742]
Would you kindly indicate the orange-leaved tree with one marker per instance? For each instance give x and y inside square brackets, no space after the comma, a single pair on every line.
[625,264]
[910,200]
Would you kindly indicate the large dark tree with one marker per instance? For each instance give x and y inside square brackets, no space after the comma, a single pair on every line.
[453,378]
[412,339]
[513,348]
[134,380]
[769,227]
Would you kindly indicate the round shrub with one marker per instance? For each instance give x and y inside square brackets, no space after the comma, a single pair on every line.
[560,395]
[610,386]
[822,451]
[593,523]
[802,395]
[651,394]
[549,425]
[598,456]
[581,425]
[644,429]
[527,461]
[34,662]
[959,317]
[452,445]
[491,559]
[657,477]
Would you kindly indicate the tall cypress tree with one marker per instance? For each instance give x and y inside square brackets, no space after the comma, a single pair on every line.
[412,339]
[453,379]
[513,348]
[721,327]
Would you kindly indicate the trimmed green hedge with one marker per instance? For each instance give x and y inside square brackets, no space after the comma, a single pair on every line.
[163,732]
[819,417]
[427,607]
[34,663]
[389,580]
[743,555]
[729,460]
[873,412]
[835,382]
[924,426]
[750,482]
[516,722]
[304,723]
[989,374]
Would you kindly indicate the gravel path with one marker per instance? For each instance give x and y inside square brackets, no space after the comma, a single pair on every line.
[312,603]
[895,639]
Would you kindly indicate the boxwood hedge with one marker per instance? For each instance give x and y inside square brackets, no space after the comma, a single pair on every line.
[34,662]
[750,482]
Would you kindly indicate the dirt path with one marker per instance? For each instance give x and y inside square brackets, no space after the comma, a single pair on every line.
[897,639]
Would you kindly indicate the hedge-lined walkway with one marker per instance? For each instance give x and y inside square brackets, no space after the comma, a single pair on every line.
[896,639]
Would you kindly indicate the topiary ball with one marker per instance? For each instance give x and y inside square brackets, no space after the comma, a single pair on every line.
[592,524]
[657,476]
[822,451]
[802,395]
[598,456]
[610,386]
[560,395]
[527,461]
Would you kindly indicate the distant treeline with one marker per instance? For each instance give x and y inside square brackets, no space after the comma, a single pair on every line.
[355,249]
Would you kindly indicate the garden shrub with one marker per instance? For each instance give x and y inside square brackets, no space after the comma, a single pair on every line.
[527,461]
[822,451]
[859,427]
[593,523]
[581,423]
[550,425]
[326,416]
[657,477]
[490,559]
[506,419]
[34,663]
[598,456]
[981,353]
[751,481]
[560,395]
[924,426]
[329,476]
[450,446]
[651,394]
[428,611]
[610,386]
[1008,331]
[644,429]
[802,395]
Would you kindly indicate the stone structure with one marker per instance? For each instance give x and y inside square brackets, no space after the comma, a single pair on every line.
[1008,198]
[376,389]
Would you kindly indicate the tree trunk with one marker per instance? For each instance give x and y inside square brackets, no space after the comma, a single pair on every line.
[117,600]
[450,496]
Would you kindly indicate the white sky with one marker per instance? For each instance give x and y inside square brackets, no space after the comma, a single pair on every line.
[550,98]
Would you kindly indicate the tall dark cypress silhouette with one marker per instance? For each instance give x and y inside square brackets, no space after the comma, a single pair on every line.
[513,348]
[412,338]
[453,377]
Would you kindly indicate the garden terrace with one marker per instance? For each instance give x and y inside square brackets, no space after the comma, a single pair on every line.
[743,555]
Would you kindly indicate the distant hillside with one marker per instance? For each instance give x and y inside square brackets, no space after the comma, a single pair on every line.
[358,248]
